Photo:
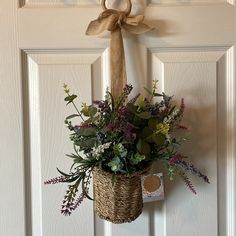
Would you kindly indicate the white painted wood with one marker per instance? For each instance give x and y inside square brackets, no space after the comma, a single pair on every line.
[170,67]
[192,54]
[187,2]
[12,204]
[230,138]
[198,81]
[47,111]
[35,147]
[58,3]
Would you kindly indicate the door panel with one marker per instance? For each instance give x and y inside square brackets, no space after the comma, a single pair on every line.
[48,137]
[194,79]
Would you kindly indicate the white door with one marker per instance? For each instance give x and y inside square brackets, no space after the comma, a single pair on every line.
[192,54]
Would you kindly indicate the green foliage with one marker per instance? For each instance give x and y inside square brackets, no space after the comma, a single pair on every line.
[119,150]
[143,147]
[88,111]
[115,164]
[137,158]
[86,132]
[124,135]
[69,99]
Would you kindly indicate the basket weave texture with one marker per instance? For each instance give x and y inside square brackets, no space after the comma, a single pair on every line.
[120,202]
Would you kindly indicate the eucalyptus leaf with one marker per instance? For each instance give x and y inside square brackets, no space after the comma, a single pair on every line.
[137,121]
[115,164]
[132,108]
[143,147]
[89,111]
[144,115]
[92,111]
[152,123]
[158,95]
[137,158]
[146,132]
[159,139]
[88,143]
[86,131]
[71,116]
[70,98]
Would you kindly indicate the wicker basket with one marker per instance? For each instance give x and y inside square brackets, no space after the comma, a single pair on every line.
[121,202]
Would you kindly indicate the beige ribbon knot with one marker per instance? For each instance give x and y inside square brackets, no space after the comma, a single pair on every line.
[114,21]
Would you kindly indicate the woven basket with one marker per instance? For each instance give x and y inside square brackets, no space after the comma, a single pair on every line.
[121,202]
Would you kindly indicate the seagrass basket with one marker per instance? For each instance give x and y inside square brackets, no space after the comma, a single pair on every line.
[121,201]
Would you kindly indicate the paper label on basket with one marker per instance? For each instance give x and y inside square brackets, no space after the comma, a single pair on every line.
[152,187]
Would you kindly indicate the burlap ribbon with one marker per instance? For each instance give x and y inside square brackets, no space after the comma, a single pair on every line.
[115,21]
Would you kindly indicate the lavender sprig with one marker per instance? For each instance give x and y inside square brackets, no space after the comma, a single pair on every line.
[178,161]
[69,198]
[190,167]
[79,200]
[70,203]
[56,180]
[187,181]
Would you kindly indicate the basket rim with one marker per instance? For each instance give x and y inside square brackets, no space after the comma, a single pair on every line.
[120,175]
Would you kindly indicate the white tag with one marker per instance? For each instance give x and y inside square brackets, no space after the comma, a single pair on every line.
[152,187]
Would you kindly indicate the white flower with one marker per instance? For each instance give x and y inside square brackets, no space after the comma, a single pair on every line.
[97,151]
[171,117]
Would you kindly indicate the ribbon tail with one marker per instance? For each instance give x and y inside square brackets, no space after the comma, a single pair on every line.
[117,63]
[136,29]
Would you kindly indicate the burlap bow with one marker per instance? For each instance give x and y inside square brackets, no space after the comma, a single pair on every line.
[114,21]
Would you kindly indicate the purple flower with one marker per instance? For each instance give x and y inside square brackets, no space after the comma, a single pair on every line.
[127,89]
[123,112]
[67,207]
[109,126]
[103,106]
[129,131]
[175,159]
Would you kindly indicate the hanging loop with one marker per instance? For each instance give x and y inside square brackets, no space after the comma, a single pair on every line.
[115,21]
[126,11]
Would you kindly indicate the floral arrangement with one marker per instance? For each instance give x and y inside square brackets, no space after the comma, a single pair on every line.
[123,136]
